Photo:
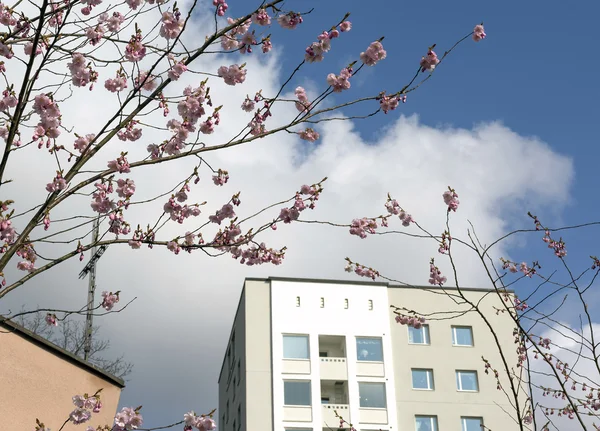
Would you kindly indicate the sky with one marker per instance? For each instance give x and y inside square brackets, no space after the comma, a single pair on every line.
[508,122]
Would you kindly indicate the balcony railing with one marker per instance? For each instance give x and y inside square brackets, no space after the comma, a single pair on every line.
[333,369]
[328,416]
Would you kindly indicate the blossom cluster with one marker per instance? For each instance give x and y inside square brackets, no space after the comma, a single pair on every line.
[109,300]
[394,208]
[201,423]
[429,61]
[523,267]
[287,215]
[84,406]
[361,270]
[557,246]
[303,103]
[178,212]
[27,253]
[362,227]
[391,102]
[81,74]
[451,199]
[340,82]
[128,419]
[373,54]
[435,275]
[49,123]
[315,51]
[408,320]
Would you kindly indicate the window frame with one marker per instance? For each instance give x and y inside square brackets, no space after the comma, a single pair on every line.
[455,336]
[430,379]
[306,336]
[459,382]
[380,345]
[433,421]
[360,399]
[463,422]
[426,332]
[309,392]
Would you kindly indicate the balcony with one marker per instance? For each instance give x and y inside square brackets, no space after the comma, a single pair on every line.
[334,397]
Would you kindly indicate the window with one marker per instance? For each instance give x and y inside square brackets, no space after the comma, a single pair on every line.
[323,354]
[369,349]
[297,301]
[472,424]
[372,395]
[346,303]
[324,400]
[322,302]
[296,393]
[418,336]
[422,379]
[370,304]
[295,347]
[466,381]
[426,423]
[462,336]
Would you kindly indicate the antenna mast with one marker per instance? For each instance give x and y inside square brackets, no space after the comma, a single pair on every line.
[91,269]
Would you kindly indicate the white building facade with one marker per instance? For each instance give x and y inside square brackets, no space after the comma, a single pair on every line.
[301,350]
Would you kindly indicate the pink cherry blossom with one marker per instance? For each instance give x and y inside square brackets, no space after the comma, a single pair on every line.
[176,70]
[109,300]
[225,212]
[221,7]
[51,319]
[112,22]
[435,275]
[340,82]
[233,74]
[362,227]
[478,33]
[374,54]
[171,24]
[82,142]
[451,199]
[79,416]
[130,132]
[119,83]
[261,17]
[429,62]
[309,134]
[120,164]
[94,34]
[135,49]
[127,419]
[290,20]
[125,188]
[345,26]
[81,75]
[303,102]
[57,184]
[220,178]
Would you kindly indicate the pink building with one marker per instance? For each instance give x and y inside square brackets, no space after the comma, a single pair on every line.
[38,380]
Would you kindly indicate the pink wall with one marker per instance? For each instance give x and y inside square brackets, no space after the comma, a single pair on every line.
[38,382]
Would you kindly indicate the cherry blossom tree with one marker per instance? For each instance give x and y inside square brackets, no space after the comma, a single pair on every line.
[551,378]
[139,68]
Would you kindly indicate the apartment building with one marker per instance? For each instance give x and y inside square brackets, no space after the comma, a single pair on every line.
[302,349]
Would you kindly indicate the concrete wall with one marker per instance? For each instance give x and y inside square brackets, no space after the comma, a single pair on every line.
[358,320]
[445,400]
[245,379]
[36,382]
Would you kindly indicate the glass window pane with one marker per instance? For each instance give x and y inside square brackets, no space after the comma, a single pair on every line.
[372,395]
[462,336]
[295,347]
[296,393]
[418,336]
[426,423]
[369,349]
[467,380]
[422,379]
[472,424]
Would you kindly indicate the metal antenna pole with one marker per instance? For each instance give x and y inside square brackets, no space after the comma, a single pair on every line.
[91,269]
